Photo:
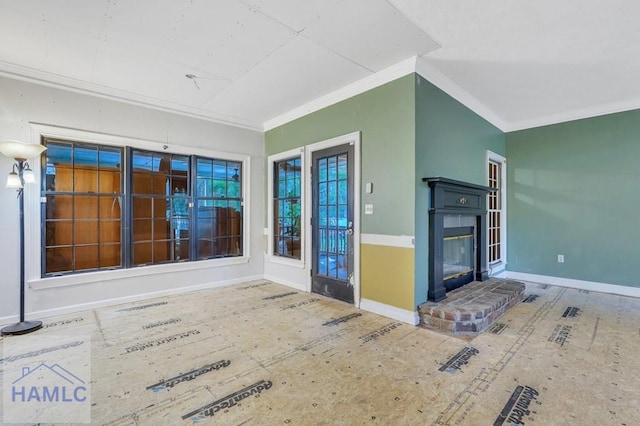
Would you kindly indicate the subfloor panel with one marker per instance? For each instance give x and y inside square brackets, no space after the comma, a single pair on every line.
[264,354]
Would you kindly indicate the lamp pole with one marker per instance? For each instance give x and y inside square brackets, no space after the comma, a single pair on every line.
[19,152]
[22,327]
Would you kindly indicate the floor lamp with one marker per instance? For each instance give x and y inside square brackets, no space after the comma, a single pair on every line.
[20,174]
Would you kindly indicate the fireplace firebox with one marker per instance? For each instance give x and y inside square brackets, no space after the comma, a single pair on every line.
[457,235]
[458,257]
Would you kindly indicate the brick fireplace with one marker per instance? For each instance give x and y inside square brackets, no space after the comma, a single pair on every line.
[457,235]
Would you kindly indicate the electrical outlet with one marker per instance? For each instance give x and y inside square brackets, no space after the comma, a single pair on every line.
[561,258]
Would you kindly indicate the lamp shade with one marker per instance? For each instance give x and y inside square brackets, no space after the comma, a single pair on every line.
[13,181]
[16,149]
[27,175]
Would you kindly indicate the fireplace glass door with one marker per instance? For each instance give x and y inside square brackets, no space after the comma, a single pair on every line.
[458,257]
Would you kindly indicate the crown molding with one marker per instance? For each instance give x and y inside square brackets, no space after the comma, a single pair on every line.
[414,64]
[372,81]
[419,65]
[578,114]
[56,81]
[444,83]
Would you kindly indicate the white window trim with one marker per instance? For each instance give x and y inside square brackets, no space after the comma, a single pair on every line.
[293,153]
[33,251]
[497,158]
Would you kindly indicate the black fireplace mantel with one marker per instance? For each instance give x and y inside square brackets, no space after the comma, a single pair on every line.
[453,197]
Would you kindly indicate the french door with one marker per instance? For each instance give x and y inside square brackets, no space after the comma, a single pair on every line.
[332,222]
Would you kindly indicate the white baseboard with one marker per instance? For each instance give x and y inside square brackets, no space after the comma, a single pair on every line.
[620,290]
[294,285]
[389,311]
[63,310]
[500,274]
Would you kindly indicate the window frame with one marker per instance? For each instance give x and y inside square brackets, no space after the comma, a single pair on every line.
[272,160]
[34,224]
[499,265]
[291,200]
[217,199]
[170,198]
[73,221]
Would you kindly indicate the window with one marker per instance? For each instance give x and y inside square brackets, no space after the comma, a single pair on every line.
[286,208]
[111,207]
[218,208]
[83,209]
[496,210]
[159,198]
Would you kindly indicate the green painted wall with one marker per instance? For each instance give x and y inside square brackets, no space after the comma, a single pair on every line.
[386,118]
[410,130]
[451,141]
[573,190]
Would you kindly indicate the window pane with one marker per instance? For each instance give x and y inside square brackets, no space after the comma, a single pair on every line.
[332,192]
[234,172]
[59,233]
[205,248]
[161,230]
[109,255]
[110,231]
[179,164]
[142,207]
[342,166]
[59,259]
[161,207]
[59,207]
[142,253]
[85,207]
[85,156]
[142,183]
[233,189]
[141,230]
[109,208]
[203,188]
[205,168]
[220,169]
[322,170]
[59,153]
[109,181]
[109,158]
[179,185]
[219,188]
[161,251]
[85,232]
[85,179]
[332,168]
[62,178]
[86,257]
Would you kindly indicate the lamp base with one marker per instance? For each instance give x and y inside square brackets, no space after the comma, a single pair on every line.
[23,327]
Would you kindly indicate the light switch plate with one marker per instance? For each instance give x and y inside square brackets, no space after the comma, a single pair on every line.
[368,209]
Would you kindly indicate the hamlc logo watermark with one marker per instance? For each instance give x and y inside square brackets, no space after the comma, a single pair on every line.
[46,379]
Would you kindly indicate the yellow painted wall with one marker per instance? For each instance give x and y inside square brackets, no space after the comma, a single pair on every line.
[386,275]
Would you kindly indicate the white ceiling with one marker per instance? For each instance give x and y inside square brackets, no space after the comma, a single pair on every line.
[519,63]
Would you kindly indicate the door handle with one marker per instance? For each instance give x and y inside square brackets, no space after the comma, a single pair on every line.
[350,228]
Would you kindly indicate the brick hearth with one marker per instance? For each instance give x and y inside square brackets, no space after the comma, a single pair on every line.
[473,308]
